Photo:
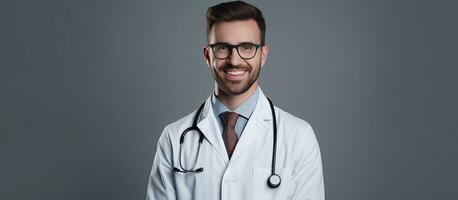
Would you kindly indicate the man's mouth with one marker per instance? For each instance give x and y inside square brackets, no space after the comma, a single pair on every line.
[234,74]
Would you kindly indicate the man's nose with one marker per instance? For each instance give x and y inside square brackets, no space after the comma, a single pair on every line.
[235,58]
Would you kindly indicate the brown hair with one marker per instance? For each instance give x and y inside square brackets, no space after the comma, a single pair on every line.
[233,11]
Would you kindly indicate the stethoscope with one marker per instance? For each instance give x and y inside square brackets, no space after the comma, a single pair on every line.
[274,179]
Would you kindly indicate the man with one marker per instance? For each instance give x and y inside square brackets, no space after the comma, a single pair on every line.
[234,156]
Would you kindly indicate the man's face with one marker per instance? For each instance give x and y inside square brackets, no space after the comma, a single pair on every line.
[235,75]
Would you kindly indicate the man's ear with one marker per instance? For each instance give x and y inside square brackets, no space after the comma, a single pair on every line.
[264,52]
[206,55]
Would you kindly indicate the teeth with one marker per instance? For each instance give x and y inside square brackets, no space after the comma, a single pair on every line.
[235,73]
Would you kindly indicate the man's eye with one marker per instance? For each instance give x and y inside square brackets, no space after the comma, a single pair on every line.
[247,47]
[221,47]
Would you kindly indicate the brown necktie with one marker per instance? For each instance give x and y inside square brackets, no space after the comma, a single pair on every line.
[230,138]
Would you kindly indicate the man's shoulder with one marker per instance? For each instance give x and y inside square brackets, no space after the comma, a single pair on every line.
[185,122]
[291,119]
[295,128]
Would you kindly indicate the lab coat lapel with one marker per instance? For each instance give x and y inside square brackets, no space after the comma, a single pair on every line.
[208,125]
[256,126]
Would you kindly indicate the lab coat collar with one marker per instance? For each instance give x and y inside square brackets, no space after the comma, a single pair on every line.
[256,126]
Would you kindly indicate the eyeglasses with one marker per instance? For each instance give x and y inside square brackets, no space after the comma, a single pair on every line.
[245,50]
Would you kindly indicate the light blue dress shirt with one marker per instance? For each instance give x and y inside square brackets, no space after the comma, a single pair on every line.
[244,110]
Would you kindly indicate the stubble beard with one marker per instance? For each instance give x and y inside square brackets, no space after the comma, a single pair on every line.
[231,90]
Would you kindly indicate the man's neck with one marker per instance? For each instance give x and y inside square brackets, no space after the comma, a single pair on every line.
[234,101]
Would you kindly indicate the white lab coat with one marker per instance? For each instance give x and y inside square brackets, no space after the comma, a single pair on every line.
[245,175]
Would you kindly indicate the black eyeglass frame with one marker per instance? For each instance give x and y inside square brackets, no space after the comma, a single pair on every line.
[236,48]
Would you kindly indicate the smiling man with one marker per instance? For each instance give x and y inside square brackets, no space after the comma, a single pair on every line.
[237,144]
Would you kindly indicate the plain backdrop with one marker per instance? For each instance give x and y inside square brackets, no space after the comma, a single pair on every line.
[86,88]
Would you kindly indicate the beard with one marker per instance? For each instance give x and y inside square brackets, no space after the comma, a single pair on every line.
[236,87]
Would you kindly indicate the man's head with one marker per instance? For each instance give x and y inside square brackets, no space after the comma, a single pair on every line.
[236,48]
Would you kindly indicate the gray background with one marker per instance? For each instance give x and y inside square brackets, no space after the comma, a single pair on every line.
[87,87]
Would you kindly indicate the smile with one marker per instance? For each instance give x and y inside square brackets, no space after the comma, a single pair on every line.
[234,74]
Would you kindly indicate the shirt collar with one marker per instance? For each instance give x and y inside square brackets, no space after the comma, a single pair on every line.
[245,109]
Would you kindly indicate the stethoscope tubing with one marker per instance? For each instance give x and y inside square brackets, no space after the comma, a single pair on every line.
[274,179]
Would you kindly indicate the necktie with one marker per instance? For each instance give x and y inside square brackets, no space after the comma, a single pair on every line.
[230,138]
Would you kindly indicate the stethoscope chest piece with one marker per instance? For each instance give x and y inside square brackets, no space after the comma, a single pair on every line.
[274,181]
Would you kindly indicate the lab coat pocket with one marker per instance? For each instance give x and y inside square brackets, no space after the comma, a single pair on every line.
[186,183]
[260,190]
